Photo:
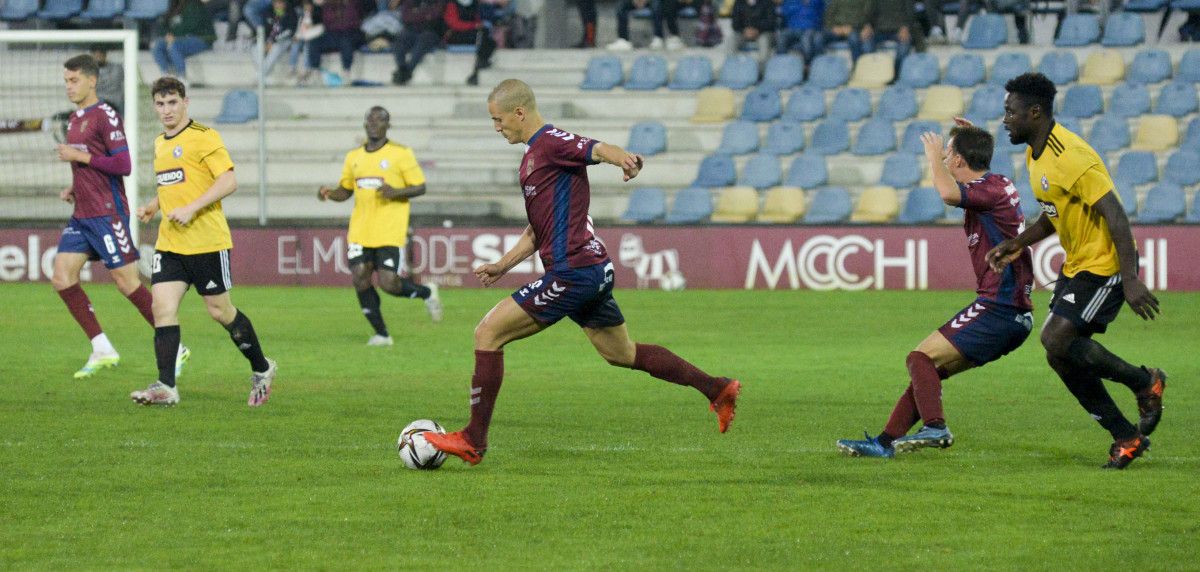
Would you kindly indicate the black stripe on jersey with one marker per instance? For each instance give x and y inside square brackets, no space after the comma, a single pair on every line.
[197,126]
[1055,145]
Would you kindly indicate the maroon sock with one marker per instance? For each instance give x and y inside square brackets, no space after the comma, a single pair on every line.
[927,387]
[661,363]
[485,387]
[144,302]
[81,308]
[904,416]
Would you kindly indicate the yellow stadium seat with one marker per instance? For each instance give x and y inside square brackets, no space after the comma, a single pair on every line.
[1156,133]
[877,204]
[874,70]
[942,103]
[736,204]
[1103,67]
[783,205]
[714,105]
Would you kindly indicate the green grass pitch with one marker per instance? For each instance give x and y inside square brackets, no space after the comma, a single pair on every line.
[590,466]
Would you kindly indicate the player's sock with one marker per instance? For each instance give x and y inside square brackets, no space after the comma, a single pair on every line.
[1090,392]
[904,416]
[926,386]
[101,345]
[485,387]
[368,300]
[885,439]
[81,309]
[241,331]
[410,289]
[144,302]
[166,347]
[661,363]
[1104,364]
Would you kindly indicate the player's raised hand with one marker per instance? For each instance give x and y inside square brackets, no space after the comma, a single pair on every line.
[488,274]
[67,195]
[962,122]
[934,145]
[1002,255]
[632,165]
[1143,302]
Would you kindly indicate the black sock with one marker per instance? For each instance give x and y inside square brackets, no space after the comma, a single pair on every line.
[1104,364]
[410,289]
[1089,391]
[241,331]
[936,425]
[166,347]
[369,301]
[885,440]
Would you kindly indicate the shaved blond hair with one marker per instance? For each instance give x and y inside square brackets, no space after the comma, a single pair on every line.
[511,94]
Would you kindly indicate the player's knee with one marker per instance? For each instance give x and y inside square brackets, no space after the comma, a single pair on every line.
[62,280]
[1056,345]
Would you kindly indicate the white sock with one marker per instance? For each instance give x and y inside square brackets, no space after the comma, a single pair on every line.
[101,345]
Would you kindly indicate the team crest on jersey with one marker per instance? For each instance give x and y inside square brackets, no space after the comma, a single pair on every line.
[83,126]
[384,164]
[178,151]
[1045,183]
[529,167]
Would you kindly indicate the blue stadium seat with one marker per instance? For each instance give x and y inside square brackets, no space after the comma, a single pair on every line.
[692,73]
[902,170]
[1001,140]
[911,141]
[1078,30]
[922,206]
[1145,5]
[964,70]
[1182,168]
[1082,101]
[647,138]
[1129,100]
[739,138]
[1185,5]
[646,205]
[987,102]
[17,10]
[1123,29]
[1137,167]
[762,171]
[1191,140]
[1071,124]
[647,73]
[1029,205]
[808,171]
[806,104]
[1177,99]
[102,9]
[831,137]
[1109,133]
[897,103]
[739,71]
[1002,164]
[691,206]
[239,106]
[1009,65]
[60,9]
[876,137]
[831,205]
[145,9]
[1149,66]
[919,70]
[716,171]
[1060,67]
[1193,215]
[985,32]
[762,104]
[828,71]
[1164,203]
[603,72]
[784,138]
[1189,66]
[1127,190]
[783,71]
[851,104]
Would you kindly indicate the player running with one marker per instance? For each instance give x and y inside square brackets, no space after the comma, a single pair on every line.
[382,176]
[99,226]
[578,283]
[194,172]
[1100,271]
[996,323]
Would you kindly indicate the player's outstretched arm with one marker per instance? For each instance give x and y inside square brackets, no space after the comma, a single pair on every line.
[389,192]
[223,186]
[630,163]
[147,211]
[488,274]
[943,181]
[1139,297]
[337,194]
[1004,253]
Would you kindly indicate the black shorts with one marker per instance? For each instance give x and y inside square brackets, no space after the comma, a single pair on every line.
[390,258]
[1089,301]
[208,272]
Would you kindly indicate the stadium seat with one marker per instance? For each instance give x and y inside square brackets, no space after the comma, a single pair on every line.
[876,137]
[831,205]
[60,9]
[919,70]
[1071,124]
[1001,140]
[1060,67]
[1150,66]
[1137,167]
[1191,141]
[1177,99]
[1156,133]
[902,170]
[1078,30]
[1009,65]
[1109,133]
[716,171]
[805,104]
[736,205]
[911,141]
[1128,196]
[783,72]
[784,138]
[941,103]
[828,71]
[1189,66]
[1103,67]
[17,10]
[647,138]
[1129,100]
[873,71]
[739,71]
[1029,205]
[646,205]
[851,104]
[761,171]
[985,32]
[1165,202]
[1183,168]
[897,103]
[831,137]
[1145,5]
[239,106]
[603,73]
[987,102]
[692,73]
[1123,30]
[647,73]
[691,205]
[149,9]
[922,206]
[739,138]
[714,105]
[1193,215]
[1082,101]
[762,104]
[808,171]
[964,70]
[876,204]
[782,205]
[102,9]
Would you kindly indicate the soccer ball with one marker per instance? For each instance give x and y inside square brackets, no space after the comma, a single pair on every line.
[415,451]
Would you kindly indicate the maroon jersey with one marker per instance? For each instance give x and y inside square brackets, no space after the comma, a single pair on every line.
[97,130]
[557,195]
[993,214]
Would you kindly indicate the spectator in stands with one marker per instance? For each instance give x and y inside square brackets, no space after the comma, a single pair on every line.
[843,22]
[587,18]
[800,27]
[491,12]
[1018,8]
[342,20]
[890,21]
[664,14]
[281,24]
[424,25]
[462,22]
[189,32]
[110,83]
[754,24]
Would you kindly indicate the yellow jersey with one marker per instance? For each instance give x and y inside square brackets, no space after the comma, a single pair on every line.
[1067,180]
[377,221]
[185,166]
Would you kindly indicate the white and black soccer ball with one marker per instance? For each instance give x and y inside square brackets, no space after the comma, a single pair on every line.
[415,451]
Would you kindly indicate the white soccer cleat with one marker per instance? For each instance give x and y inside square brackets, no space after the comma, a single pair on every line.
[260,385]
[434,304]
[156,393]
[97,362]
[380,341]
[620,45]
[182,358]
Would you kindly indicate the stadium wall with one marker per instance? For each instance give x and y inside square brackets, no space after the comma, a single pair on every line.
[817,258]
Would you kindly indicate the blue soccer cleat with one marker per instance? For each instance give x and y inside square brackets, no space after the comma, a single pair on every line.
[926,437]
[869,447]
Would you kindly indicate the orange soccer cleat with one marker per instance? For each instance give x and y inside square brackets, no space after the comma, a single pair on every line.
[457,444]
[726,403]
